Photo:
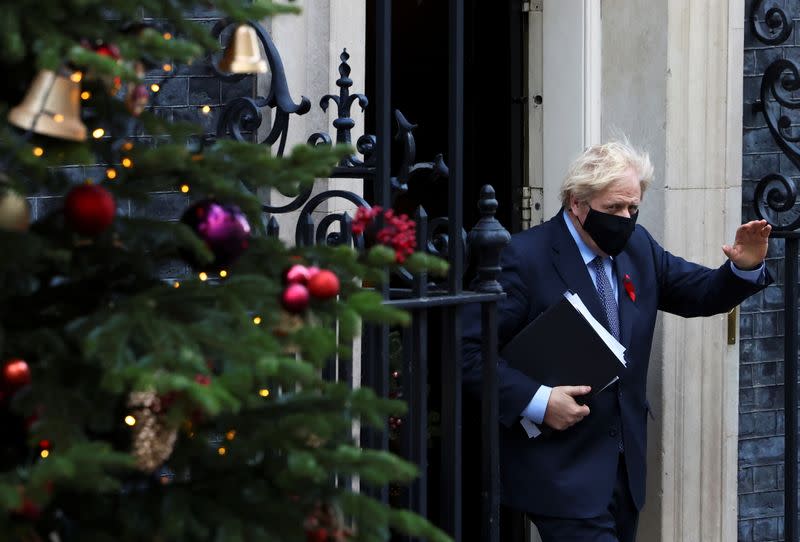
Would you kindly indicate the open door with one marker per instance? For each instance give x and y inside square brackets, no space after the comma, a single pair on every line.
[565,85]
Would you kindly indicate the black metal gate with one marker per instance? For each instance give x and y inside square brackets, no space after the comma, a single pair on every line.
[775,199]
[432,305]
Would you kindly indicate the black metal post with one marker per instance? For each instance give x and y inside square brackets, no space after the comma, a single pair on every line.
[790,390]
[451,421]
[456,144]
[419,380]
[415,385]
[490,415]
[375,372]
[487,240]
[375,366]
[451,324]
[383,100]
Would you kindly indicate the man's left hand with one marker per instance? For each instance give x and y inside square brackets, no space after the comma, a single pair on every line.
[750,246]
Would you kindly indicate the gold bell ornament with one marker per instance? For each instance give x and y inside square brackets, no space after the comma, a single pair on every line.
[51,107]
[243,54]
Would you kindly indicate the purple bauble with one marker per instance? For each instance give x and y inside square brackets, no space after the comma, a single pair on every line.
[223,227]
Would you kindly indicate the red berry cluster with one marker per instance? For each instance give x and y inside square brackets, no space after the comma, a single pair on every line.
[398,232]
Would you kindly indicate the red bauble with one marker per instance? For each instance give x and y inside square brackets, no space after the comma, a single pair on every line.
[295,298]
[324,285]
[89,209]
[317,535]
[297,274]
[16,374]
[108,49]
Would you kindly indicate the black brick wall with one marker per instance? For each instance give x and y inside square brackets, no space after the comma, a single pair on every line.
[183,93]
[761,420]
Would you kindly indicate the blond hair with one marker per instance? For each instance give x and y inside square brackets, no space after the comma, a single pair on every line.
[601,165]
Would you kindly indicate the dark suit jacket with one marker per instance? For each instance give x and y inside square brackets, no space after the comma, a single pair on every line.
[572,473]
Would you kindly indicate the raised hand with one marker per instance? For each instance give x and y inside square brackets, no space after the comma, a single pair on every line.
[750,246]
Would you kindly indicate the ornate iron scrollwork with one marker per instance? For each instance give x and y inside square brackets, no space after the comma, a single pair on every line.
[244,114]
[775,194]
[774,201]
[781,78]
[778,23]
[344,102]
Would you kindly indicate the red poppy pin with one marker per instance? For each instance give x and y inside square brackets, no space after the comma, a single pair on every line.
[629,287]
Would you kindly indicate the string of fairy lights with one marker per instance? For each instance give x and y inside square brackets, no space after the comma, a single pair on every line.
[52,108]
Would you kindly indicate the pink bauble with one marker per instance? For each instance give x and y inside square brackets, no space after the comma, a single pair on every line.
[297,274]
[295,298]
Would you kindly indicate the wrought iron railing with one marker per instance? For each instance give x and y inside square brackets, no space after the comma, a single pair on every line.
[426,300]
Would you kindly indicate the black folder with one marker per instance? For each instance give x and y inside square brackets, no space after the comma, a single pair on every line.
[562,348]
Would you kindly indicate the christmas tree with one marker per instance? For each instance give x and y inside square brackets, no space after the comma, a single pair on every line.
[144,409]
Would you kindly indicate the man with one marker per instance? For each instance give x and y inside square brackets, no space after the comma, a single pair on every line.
[585,480]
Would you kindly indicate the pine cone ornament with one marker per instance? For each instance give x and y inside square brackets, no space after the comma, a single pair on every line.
[153,440]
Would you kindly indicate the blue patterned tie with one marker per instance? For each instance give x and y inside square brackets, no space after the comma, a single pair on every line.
[607,297]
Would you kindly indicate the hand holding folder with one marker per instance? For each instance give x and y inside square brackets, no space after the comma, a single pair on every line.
[566,346]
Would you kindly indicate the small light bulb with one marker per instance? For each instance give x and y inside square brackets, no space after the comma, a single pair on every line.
[111,173]
[167,67]
[230,435]
[185,188]
[223,273]
[203,276]
[154,87]
[222,450]
[167,36]
[38,151]
[127,162]
[44,454]
[130,420]
[98,133]
[127,146]
[58,117]
[263,392]
[176,284]
[76,77]
[85,95]
[257,320]
[206,109]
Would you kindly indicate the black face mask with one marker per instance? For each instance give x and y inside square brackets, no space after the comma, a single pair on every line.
[609,232]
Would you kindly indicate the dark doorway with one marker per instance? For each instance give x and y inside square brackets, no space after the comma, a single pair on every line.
[495,105]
